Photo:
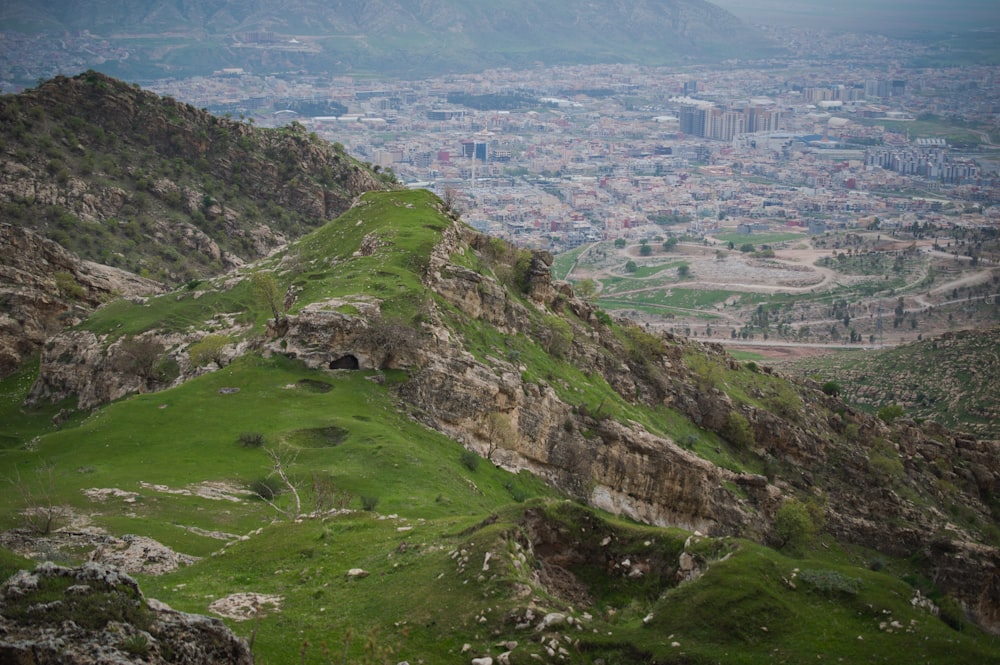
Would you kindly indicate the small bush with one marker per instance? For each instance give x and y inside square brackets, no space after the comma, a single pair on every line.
[888,414]
[136,644]
[737,431]
[251,439]
[368,503]
[470,460]
[831,388]
[830,582]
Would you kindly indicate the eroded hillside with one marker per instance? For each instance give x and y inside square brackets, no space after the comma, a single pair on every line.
[476,341]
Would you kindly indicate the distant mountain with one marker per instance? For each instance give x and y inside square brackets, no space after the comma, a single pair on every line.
[178,37]
[892,17]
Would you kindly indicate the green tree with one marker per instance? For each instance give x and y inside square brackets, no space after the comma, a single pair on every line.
[585,288]
[620,243]
[669,243]
[631,266]
[793,526]
[683,270]
[209,349]
[140,356]
[265,289]
[645,250]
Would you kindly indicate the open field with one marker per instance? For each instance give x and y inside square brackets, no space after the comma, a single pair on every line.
[793,294]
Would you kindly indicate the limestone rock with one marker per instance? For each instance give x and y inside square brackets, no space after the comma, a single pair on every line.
[70,632]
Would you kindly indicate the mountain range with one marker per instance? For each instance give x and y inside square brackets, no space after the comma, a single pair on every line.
[390,37]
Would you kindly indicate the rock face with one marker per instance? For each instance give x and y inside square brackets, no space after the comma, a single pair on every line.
[103,617]
[44,288]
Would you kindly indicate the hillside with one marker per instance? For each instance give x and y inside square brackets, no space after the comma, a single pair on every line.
[124,179]
[388,36]
[396,406]
[950,379]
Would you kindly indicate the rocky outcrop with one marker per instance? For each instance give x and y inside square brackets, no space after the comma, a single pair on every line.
[101,616]
[44,288]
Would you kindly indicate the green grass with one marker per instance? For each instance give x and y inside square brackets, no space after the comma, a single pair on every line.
[189,435]
[758,239]
[564,261]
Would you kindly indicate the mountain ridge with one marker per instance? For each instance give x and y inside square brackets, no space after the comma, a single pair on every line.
[388,36]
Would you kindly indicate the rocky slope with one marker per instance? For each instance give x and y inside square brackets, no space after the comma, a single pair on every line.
[949,379]
[128,179]
[44,288]
[517,368]
[125,180]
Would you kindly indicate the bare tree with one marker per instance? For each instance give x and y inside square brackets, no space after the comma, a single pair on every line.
[279,469]
[499,433]
[140,356]
[42,515]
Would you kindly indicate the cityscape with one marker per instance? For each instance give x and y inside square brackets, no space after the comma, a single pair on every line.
[555,157]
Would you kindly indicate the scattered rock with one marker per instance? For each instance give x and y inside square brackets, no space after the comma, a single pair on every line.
[138,554]
[245,606]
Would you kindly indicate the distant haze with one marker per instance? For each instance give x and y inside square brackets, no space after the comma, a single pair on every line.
[883,16]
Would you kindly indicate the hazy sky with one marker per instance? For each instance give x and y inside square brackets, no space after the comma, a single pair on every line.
[889,16]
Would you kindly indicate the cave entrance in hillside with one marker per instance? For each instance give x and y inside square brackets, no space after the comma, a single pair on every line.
[350,361]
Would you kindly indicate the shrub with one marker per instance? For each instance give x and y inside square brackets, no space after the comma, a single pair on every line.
[251,439]
[889,413]
[368,503]
[737,431]
[470,460]
[830,582]
[831,388]
[136,644]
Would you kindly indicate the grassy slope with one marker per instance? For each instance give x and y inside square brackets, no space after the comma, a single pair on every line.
[423,598]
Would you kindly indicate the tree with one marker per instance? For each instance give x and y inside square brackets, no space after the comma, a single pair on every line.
[140,356]
[645,250]
[499,433]
[793,526]
[620,243]
[279,463]
[42,514]
[669,243]
[388,338]
[265,289]
[585,288]
[683,270]
[631,266]
[209,349]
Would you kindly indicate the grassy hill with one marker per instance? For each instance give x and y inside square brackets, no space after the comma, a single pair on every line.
[352,531]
